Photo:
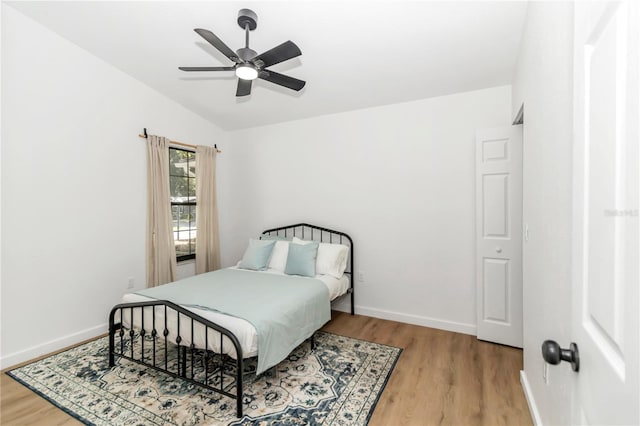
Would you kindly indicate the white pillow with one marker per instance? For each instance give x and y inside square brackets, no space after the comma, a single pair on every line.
[279,256]
[331,260]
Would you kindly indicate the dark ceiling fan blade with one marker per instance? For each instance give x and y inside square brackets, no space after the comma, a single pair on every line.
[218,44]
[244,87]
[286,50]
[207,68]
[282,80]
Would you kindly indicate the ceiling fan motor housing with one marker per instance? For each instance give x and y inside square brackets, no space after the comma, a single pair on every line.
[246,54]
[247,16]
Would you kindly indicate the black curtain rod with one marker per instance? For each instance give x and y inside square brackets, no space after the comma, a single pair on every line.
[146,136]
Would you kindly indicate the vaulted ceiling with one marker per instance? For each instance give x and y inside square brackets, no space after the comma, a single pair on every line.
[355,54]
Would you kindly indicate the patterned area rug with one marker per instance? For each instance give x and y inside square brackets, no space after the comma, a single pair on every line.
[338,383]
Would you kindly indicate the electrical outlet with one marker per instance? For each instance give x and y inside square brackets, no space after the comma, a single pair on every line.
[361,276]
[130,282]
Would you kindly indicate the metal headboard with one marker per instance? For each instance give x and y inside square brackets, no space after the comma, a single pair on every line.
[309,232]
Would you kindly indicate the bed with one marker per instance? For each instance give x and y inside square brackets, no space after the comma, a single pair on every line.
[201,331]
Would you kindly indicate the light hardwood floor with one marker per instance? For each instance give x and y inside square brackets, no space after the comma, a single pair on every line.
[441,378]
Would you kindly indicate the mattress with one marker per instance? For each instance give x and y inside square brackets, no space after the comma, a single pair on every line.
[242,329]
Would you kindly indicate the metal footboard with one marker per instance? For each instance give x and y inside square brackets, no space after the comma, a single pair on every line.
[179,343]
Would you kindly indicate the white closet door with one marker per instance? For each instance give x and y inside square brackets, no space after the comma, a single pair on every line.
[499,235]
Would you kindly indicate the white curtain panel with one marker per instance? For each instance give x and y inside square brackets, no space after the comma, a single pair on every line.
[161,251]
[207,241]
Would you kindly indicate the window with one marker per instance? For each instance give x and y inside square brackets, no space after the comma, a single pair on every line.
[182,184]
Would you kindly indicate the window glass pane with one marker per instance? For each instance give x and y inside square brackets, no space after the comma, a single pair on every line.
[192,189]
[192,216]
[175,216]
[177,162]
[179,187]
[182,247]
[182,243]
[191,158]
[192,228]
[184,218]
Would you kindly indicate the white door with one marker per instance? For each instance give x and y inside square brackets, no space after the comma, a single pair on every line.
[606,231]
[499,235]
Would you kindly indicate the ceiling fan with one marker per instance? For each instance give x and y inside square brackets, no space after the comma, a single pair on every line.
[248,64]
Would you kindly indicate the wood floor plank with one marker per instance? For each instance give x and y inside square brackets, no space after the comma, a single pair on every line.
[441,378]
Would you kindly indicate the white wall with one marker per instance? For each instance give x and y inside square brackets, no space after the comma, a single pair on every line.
[543,81]
[73,185]
[399,179]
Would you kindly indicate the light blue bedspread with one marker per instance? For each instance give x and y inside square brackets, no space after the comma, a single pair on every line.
[285,310]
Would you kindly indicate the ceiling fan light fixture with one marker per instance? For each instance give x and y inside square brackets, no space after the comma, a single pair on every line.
[246,72]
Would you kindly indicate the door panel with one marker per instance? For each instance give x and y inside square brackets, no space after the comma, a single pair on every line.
[498,235]
[495,205]
[606,194]
[496,290]
[495,150]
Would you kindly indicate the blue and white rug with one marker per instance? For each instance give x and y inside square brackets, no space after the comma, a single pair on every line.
[339,383]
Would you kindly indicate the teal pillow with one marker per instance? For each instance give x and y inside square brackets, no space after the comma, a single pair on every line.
[257,255]
[302,259]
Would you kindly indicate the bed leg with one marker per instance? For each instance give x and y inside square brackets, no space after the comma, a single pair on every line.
[112,348]
[353,310]
[112,337]
[239,387]
[312,339]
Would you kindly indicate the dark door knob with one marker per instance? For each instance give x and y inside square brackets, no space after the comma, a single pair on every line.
[553,354]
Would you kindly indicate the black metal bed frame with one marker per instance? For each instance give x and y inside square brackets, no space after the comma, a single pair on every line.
[217,366]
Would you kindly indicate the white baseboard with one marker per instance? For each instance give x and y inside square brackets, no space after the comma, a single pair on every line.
[51,346]
[440,324]
[62,342]
[533,408]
